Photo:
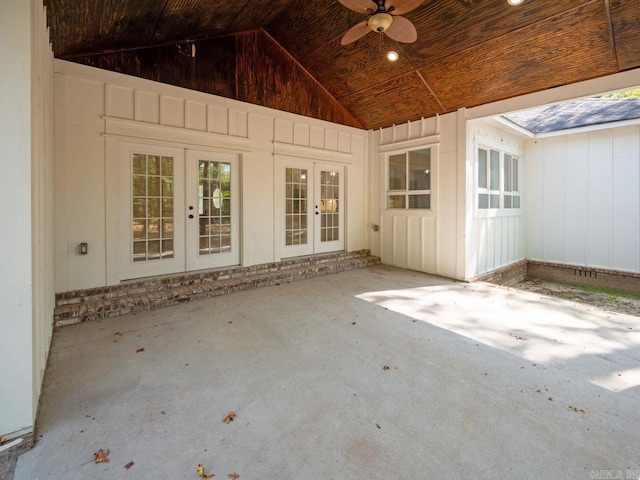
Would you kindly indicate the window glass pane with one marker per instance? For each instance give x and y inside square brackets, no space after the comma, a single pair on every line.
[507,201]
[139,164]
[495,170]
[396,201]
[296,206]
[507,173]
[420,201]
[495,201]
[516,202]
[420,169]
[152,227]
[482,168]
[515,175]
[483,200]
[397,172]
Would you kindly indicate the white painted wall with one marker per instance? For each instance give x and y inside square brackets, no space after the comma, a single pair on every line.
[26,186]
[430,241]
[96,110]
[494,239]
[583,191]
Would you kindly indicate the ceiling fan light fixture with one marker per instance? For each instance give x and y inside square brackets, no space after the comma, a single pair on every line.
[380,22]
[392,56]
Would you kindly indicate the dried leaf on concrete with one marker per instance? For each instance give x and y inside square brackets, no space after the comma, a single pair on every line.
[229,418]
[140,350]
[200,470]
[129,465]
[386,367]
[101,456]
[233,476]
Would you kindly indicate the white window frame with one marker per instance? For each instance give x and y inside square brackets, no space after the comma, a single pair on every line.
[502,150]
[407,192]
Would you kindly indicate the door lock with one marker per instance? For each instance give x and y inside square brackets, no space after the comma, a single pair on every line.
[190,216]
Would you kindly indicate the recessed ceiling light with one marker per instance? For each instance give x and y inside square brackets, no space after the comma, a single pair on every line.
[514,2]
[392,56]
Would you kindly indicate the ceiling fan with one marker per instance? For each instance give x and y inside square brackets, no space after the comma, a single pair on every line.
[384,18]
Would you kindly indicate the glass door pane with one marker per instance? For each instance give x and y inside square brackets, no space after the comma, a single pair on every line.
[296,206]
[214,207]
[153,206]
[329,206]
[151,210]
[213,210]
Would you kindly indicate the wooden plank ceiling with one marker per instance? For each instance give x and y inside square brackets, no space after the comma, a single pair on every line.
[286,54]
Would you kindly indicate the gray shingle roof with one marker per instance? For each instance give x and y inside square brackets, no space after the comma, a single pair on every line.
[581,113]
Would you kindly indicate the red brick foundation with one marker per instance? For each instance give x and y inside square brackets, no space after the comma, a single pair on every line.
[507,276]
[584,276]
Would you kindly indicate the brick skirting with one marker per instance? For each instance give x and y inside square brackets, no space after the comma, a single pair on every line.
[580,276]
[621,281]
[136,295]
[507,276]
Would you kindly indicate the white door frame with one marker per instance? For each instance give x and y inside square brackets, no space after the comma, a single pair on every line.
[314,245]
[194,260]
[127,267]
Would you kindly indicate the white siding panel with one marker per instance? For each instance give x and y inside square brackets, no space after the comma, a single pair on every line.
[429,235]
[600,199]
[261,128]
[400,241]
[534,197]
[415,243]
[120,102]
[625,217]
[601,191]
[331,140]
[577,199]
[217,119]
[316,137]
[284,131]
[301,134]
[387,244]
[147,107]
[85,103]
[172,111]
[238,123]
[196,116]
[482,245]
[344,142]
[505,242]
[491,243]
[554,199]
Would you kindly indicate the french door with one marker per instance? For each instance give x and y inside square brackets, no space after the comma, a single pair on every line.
[179,210]
[313,209]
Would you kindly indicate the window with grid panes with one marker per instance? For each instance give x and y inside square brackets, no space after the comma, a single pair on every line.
[409,180]
[497,180]
[296,204]
[153,202]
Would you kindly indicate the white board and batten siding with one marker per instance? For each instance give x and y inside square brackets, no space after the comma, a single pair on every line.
[495,239]
[96,110]
[584,194]
[27,279]
[431,240]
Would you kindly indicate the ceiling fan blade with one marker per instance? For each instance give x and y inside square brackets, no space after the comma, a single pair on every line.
[403,6]
[356,32]
[402,30]
[359,6]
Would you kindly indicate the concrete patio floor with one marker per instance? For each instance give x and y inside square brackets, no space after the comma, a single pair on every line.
[482,382]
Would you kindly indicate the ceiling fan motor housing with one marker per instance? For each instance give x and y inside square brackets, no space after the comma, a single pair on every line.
[380,22]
